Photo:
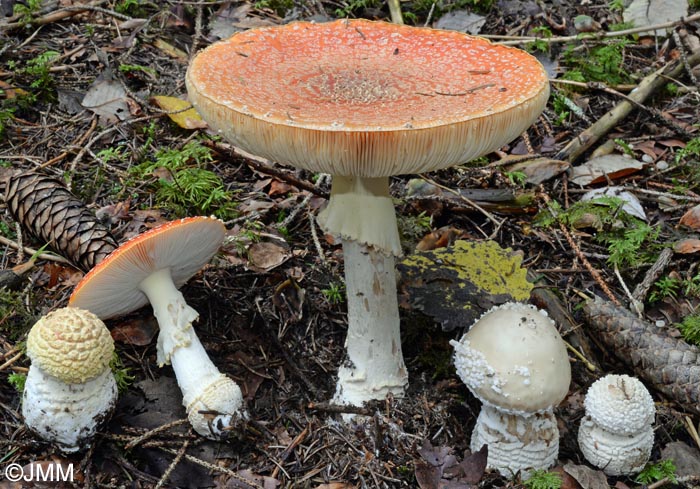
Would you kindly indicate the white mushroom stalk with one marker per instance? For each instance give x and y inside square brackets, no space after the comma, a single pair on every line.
[211,399]
[516,442]
[70,390]
[362,213]
[515,362]
[616,435]
[149,268]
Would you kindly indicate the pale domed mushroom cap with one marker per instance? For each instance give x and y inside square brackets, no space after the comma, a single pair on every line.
[620,404]
[615,454]
[514,358]
[70,344]
[367,99]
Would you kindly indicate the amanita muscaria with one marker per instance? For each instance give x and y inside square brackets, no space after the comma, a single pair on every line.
[363,101]
[150,268]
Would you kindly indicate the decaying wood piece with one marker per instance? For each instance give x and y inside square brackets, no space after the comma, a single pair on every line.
[602,126]
[669,364]
[45,207]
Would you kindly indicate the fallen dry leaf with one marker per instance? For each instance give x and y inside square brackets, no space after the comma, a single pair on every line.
[136,331]
[685,458]
[539,170]
[691,218]
[265,255]
[598,170]
[687,246]
[587,477]
[631,204]
[107,98]
[171,50]
[184,114]
[336,485]
[645,13]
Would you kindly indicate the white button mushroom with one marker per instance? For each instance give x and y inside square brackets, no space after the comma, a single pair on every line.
[514,360]
[150,268]
[616,435]
[70,388]
[380,100]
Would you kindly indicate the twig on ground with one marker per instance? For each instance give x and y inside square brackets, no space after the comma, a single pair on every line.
[151,433]
[288,451]
[314,238]
[635,306]
[178,456]
[593,271]
[642,289]
[467,201]
[263,166]
[517,40]
[32,251]
[647,86]
[692,430]
[215,468]
[64,13]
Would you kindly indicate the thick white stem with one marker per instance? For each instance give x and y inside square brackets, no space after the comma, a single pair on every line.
[374,366]
[212,400]
[516,442]
[67,414]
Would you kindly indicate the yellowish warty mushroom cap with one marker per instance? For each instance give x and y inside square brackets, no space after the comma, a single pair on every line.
[70,344]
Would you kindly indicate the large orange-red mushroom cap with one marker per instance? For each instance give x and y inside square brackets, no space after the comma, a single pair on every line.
[367,99]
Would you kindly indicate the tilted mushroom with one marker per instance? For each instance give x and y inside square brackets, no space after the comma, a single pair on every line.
[70,389]
[363,101]
[616,435]
[150,268]
[514,360]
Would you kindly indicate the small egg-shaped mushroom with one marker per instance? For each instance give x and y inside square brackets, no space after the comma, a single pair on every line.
[616,435]
[514,360]
[70,389]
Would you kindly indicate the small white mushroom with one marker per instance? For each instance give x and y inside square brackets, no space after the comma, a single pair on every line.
[514,360]
[70,388]
[616,435]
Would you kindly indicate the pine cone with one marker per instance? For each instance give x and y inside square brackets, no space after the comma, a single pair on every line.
[669,364]
[45,207]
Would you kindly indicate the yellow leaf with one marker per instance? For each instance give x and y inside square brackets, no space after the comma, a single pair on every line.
[171,50]
[183,114]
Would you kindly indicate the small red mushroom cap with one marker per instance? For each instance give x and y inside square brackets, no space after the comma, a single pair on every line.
[184,246]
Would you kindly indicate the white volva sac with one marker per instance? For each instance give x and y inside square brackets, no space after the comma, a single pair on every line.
[70,389]
[150,268]
[616,435]
[515,362]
